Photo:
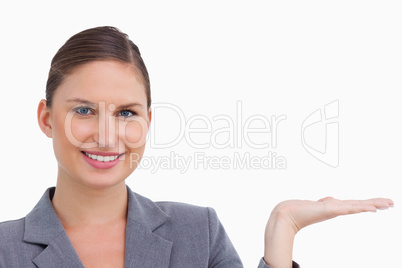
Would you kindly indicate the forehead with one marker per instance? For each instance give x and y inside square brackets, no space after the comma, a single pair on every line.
[109,81]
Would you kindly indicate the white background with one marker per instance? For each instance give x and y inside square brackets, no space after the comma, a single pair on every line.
[278,58]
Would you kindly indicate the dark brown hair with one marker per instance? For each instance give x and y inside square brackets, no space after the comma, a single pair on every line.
[100,43]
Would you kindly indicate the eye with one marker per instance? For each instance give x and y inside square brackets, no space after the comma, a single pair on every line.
[126,113]
[83,110]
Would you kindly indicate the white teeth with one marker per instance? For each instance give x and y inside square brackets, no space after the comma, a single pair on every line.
[102,158]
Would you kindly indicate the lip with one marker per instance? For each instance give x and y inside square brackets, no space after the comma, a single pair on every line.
[101,153]
[98,164]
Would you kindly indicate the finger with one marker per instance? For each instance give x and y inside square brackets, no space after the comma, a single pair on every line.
[369,205]
[381,203]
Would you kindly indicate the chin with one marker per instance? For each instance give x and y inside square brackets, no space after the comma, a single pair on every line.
[102,184]
[98,180]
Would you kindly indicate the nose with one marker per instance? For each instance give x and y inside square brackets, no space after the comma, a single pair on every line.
[107,135]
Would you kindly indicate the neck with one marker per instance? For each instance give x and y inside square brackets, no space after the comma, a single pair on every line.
[77,204]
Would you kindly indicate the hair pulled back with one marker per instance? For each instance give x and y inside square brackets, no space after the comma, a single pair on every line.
[99,43]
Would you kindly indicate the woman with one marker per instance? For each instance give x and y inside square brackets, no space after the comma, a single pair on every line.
[97,112]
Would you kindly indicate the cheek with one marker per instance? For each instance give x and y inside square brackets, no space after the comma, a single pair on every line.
[82,129]
[134,132]
[79,131]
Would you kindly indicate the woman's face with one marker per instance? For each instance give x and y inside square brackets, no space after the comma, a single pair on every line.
[98,122]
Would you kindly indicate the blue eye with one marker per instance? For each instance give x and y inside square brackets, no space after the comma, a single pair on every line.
[126,113]
[83,110]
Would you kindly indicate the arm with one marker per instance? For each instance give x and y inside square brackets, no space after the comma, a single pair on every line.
[291,216]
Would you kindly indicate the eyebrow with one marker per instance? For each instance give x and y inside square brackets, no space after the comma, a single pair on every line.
[86,102]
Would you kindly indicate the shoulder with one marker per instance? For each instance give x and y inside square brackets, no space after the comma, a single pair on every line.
[187,213]
[177,209]
[192,220]
[176,212]
[196,227]
[11,240]
[179,216]
[189,226]
[11,230]
[179,222]
[201,221]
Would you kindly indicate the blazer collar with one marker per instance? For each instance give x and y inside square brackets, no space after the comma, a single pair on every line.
[144,248]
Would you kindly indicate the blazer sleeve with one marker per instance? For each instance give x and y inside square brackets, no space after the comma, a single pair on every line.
[262,264]
[222,253]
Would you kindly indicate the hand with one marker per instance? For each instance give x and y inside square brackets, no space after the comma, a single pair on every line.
[301,213]
[289,217]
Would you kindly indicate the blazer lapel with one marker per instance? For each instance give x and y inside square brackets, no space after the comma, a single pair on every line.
[59,253]
[144,248]
[42,226]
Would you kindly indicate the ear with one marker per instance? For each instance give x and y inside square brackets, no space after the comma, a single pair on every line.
[44,119]
[149,116]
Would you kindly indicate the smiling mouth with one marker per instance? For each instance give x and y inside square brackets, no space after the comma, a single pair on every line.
[102,158]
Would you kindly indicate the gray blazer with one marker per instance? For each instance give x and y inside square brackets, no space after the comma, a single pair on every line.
[158,234]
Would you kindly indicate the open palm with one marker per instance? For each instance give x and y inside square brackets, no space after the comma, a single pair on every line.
[304,212]
[289,217]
